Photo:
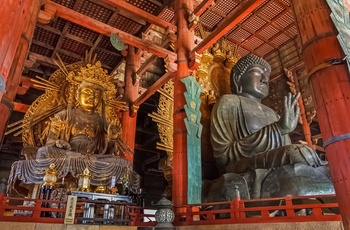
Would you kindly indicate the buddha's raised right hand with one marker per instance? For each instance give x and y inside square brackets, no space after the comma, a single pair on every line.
[290,116]
[62,144]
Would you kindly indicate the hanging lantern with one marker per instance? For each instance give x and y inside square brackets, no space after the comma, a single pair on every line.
[84,181]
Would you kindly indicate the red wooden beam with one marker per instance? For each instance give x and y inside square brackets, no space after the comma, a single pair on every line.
[106,30]
[146,64]
[151,90]
[202,7]
[229,22]
[121,4]
[19,107]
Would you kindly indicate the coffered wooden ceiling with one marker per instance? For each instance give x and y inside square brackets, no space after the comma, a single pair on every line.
[260,27]
[70,27]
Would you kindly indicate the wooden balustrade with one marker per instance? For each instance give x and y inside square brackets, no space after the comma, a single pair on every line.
[286,209]
[16,209]
[139,218]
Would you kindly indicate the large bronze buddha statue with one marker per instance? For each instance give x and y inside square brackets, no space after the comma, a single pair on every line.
[250,140]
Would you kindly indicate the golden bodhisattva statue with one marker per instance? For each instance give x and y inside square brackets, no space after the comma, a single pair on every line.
[75,127]
[82,131]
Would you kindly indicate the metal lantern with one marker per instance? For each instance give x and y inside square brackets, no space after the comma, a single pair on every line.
[84,181]
[164,215]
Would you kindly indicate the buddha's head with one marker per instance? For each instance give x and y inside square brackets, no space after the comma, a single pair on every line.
[89,96]
[250,77]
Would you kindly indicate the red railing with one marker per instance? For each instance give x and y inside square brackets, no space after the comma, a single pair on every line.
[139,218]
[31,210]
[287,209]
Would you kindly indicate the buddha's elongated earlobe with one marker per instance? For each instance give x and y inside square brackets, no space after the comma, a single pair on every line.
[235,82]
[239,89]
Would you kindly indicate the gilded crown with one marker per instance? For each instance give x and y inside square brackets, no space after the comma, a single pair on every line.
[95,74]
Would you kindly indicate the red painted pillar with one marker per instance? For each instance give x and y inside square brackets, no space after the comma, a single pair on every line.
[130,95]
[183,46]
[331,88]
[17,23]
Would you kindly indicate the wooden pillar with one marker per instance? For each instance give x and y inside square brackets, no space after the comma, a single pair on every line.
[130,95]
[17,25]
[183,46]
[331,91]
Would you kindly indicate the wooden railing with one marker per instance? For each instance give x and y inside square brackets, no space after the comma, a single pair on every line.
[31,210]
[287,209]
[139,218]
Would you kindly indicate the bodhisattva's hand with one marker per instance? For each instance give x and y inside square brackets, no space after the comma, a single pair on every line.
[113,131]
[62,144]
[289,118]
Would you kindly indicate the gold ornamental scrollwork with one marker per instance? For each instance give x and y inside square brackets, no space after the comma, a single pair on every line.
[164,119]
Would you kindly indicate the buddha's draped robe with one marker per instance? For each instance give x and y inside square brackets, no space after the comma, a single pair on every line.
[84,132]
[244,135]
[87,137]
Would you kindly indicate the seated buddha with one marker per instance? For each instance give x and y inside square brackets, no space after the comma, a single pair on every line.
[249,138]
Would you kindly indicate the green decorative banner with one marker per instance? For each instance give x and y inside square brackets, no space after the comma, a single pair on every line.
[194,131]
[341,19]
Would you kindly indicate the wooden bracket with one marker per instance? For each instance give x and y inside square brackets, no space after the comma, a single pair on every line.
[46,15]
[192,21]
[195,60]
[133,110]
[170,64]
[171,35]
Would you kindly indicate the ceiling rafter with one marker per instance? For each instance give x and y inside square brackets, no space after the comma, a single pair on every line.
[141,13]
[143,68]
[64,32]
[78,39]
[268,22]
[275,25]
[106,30]
[227,24]
[151,90]
[43,44]
[202,7]
[97,41]
[49,28]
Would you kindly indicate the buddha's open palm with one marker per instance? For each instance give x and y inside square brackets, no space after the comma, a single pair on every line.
[113,131]
[289,118]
